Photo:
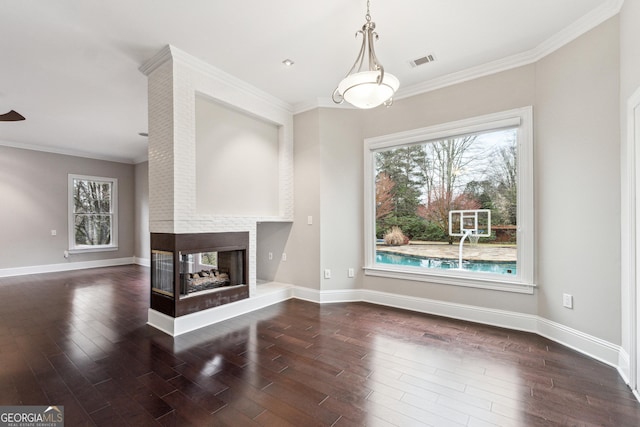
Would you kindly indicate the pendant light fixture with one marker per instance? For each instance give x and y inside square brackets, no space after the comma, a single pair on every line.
[368,88]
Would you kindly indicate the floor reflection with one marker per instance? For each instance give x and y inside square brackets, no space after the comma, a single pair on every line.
[80,339]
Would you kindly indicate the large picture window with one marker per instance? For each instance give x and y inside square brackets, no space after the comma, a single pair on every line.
[93,213]
[453,203]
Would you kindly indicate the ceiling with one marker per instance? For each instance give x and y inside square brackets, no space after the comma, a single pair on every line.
[71,66]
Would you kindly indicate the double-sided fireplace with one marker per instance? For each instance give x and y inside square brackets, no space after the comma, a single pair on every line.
[197,271]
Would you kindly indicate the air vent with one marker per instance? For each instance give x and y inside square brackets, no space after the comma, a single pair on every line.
[421,61]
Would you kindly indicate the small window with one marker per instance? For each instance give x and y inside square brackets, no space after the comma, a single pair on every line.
[93,211]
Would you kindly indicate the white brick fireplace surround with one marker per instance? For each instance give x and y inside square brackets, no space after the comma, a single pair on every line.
[175,79]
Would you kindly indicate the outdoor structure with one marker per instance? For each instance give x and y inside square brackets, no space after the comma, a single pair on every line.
[471,224]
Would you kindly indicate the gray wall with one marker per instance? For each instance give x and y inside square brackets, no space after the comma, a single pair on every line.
[498,92]
[629,83]
[629,48]
[142,236]
[341,194]
[272,238]
[328,186]
[33,186]
[574,92]
[236,162]
[577,153]
[300,241]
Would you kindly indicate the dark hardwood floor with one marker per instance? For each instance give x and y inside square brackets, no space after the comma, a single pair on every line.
[79,339]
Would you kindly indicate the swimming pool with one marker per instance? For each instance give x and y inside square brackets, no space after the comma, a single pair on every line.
[413,261]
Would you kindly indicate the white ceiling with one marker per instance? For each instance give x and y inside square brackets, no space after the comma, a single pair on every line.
[71,66]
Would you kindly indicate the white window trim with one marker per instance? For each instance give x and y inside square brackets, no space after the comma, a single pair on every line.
[73,248]
[523,282]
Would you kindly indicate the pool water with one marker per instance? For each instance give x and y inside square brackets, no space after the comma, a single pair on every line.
[413,261]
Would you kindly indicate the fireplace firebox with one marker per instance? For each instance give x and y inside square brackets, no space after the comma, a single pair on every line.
[196,271]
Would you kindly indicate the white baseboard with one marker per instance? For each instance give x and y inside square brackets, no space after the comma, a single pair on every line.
[487,316]
[586,344]
[624,366]
[344,295]
[190,322]
[67,266]
[161,321]
[307,294]
[273,293]
[145,262]
[589,345]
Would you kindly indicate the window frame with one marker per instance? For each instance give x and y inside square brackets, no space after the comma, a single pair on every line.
[524,281]
[113,246]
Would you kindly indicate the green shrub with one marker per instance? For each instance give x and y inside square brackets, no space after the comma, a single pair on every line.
[434,233]
[414,227]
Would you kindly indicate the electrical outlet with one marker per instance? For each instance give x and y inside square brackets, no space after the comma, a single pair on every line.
[270,256]
[54,233]
[567,300]
[351,272]
[327,273]
[284,256]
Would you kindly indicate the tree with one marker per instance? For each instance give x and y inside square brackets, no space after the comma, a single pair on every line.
[92,212]
[418,185]
[438,212]
[484,192]
[505,177]
[480,190]
[400,166]
[425,167]
[384,195]
[449,161]
[399,185]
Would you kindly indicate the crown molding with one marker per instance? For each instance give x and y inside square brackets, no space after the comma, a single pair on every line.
[584,24]
[472,73]
[324,102]
[141,159]
[581,26]
[66,152]
[302,107]
[170,52]
[567,35]
[156,60]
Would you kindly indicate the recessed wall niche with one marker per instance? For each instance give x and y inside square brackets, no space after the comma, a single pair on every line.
[237,157]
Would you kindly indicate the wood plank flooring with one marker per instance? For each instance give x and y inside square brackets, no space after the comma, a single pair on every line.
[80,339]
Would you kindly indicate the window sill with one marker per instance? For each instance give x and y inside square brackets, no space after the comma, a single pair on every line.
[492,282]
[93,249]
